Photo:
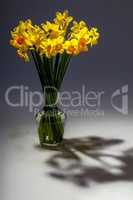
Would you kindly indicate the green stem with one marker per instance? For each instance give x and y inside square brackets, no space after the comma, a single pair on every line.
[65,59]
[63,72]
[38,70]
[56,66]
[48,65]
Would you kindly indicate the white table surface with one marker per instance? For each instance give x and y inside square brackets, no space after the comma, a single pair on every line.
[105,173]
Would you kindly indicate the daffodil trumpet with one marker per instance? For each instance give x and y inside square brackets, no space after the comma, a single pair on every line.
[52,46]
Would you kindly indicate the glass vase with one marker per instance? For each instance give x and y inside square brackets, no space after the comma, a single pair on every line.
[50,121]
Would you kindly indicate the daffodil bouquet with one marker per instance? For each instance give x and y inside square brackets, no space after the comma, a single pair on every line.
[52,45]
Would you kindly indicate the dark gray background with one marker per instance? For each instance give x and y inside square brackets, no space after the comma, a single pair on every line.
[107,66]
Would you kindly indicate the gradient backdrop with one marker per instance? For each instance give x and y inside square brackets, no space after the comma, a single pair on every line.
[107,67]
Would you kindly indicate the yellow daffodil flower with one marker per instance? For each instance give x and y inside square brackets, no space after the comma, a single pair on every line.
[23,54]
[71,46]
[51,47]
[93,36]
[52,30]
[77,27]
[50,38]
[26,37]
[63,19]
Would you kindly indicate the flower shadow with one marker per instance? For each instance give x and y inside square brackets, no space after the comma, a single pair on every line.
[67,164]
